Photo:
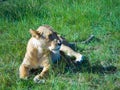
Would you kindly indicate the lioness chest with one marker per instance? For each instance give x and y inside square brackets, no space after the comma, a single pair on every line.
[37,53]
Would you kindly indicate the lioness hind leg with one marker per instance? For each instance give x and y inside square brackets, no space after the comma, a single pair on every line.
[39,78]
[70,52]
[23,71]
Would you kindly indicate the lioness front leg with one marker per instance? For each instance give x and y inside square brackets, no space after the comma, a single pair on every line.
[39,78]
[70,52]
[23,71]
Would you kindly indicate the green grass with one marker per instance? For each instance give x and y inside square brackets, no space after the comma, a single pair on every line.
[74,19]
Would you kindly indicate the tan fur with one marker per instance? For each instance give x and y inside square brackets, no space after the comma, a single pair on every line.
[44,41]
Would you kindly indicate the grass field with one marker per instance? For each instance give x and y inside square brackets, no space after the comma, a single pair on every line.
[76,20]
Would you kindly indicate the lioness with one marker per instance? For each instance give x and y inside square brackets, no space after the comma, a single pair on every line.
[43,44]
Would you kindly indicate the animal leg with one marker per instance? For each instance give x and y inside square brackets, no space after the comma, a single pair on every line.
[67,50]
[39,78]
[23,71]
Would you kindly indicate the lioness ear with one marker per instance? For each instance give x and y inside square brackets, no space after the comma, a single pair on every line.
[34,33]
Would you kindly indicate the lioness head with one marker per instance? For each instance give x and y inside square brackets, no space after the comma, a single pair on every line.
[46,35]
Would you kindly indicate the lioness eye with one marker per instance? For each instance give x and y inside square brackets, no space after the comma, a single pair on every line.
[51,37]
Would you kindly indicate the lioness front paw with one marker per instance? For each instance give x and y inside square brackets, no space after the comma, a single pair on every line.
[38,80]
[79,59]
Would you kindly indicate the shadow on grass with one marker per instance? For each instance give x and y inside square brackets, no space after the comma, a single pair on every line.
[85,66]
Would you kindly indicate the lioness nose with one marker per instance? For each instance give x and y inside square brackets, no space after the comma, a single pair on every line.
[59,43]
